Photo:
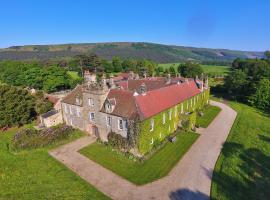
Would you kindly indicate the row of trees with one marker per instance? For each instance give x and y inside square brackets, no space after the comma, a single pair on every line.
[96,64]
[18,107]
[249,82]
[36,75]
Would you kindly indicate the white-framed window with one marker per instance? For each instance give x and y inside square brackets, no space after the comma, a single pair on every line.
[108,107]
[187,105]
[70,110]
[109,120]
[77,100]
[152,141]
[164,118]
[152,124]
[182,108]
[170,114]
[92,116]
[169,128]
[78,112]
[120,124]
[91,102]
[66,108]
[160,135]
[175,111]
[71,122]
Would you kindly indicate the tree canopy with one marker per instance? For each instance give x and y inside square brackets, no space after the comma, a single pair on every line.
[36,75]
[248,82]
[18,107]
[190,69]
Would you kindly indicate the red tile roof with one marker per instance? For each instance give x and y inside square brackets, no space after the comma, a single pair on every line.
[124,103]
[156,101]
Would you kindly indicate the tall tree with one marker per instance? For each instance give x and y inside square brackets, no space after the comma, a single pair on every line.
[267,54]
[117,64]
[261,97]
[190,69]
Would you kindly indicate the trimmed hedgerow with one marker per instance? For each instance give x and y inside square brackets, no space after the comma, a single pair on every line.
[147,138]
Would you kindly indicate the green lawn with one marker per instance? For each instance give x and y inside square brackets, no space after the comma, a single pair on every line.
[157,166]
[243,168]
[215,70]
[209,114]
[34,174]
[209,69]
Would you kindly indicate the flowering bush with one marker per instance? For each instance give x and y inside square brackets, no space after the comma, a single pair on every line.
[31,138]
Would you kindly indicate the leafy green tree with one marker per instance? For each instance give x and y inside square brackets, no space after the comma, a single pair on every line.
[261,97]
[108,67]
[128,65]
[17,106]
[159,71]
[267,54]
[172,71]
[150,67]
[236,84]
[190,69]
[117,64]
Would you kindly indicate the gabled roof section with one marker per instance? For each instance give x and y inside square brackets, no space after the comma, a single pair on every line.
[156,101]
[71,97]
[124,103]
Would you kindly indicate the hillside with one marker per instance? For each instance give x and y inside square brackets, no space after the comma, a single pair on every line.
[157,52]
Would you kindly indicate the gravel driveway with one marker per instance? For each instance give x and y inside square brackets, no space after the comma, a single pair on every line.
[189,179]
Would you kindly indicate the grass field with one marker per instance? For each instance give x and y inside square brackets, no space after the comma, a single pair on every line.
[34,174]
[157,166]
[73,74]
[209,115]
[243,168]
[209,69]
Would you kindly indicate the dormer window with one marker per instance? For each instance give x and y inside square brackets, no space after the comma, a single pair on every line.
[108,107]
[143,89]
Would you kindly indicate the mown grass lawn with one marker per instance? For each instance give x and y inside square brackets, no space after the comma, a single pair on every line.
[157,166]
[243,168]
[209,69]
[209,114]
[34,174]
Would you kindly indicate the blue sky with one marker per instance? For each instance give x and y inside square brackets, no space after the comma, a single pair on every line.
[232,24]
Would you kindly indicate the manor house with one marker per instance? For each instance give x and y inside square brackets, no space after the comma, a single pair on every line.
[156,105]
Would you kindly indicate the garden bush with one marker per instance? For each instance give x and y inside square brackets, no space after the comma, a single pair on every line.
[117,141]
[30,138]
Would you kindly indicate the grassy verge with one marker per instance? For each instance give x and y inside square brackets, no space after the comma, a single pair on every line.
[209,114]
[157,166]
[243,168]
[33,174]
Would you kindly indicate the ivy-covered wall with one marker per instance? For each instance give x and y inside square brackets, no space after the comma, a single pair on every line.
[148,138]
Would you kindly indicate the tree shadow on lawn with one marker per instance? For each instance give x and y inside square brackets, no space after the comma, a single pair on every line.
[186,194]
[247,178]
[264,138]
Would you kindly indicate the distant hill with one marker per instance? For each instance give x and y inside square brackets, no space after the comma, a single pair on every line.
[137,50]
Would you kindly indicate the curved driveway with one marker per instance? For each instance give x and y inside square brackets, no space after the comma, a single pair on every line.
[189,179]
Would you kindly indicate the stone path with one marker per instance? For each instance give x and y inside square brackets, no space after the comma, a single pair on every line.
[189,179]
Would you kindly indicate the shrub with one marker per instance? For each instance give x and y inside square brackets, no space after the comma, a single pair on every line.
[117,141]
[31,138]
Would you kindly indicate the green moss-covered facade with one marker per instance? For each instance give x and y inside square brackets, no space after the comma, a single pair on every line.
[155,129]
